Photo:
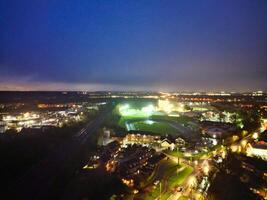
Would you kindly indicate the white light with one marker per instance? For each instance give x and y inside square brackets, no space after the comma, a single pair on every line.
[255,135]
[148,109]
[149,122]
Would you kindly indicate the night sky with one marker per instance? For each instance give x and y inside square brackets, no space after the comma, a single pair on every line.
[133,45]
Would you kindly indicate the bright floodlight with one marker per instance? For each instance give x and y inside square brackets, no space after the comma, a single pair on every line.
[255,135]
[149,122]
[165,105]
[148,109]
[124,109]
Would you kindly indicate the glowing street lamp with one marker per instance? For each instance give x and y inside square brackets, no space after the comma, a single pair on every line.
[244,143]
[192,181]
[255,136]
[206,167]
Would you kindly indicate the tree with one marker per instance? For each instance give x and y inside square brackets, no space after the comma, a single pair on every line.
[221,116]
[251,120]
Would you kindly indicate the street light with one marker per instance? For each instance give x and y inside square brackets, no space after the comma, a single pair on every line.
[244,143]
[255,136]
[206,169]
[192,181]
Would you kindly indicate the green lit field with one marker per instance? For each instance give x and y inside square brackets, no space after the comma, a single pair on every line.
[155,127]
[141,122]
[125,119]
[180,119]
[147,118]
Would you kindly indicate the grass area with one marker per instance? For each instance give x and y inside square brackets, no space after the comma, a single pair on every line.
[124,119]
[199,155]
[165,170]
[174,153]
[180,120]
[132,111]
[171,179]
[179,178]
[156,127]
[159,172]
[141,123]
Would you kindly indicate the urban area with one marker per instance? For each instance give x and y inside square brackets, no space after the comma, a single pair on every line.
[134,145]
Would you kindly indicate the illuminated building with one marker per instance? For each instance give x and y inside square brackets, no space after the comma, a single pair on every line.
[166,144]
[39,120]
[139,139]
[258,150]
[2,127]
[257,93]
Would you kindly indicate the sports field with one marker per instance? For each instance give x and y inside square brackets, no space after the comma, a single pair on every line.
[154,127]
[147,119]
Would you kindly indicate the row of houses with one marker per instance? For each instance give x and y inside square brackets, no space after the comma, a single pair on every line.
[134,162]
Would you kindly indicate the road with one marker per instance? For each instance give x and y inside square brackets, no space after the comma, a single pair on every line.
[49,177]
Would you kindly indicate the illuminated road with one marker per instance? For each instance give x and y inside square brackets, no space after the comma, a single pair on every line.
[49,177]
[175,196]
